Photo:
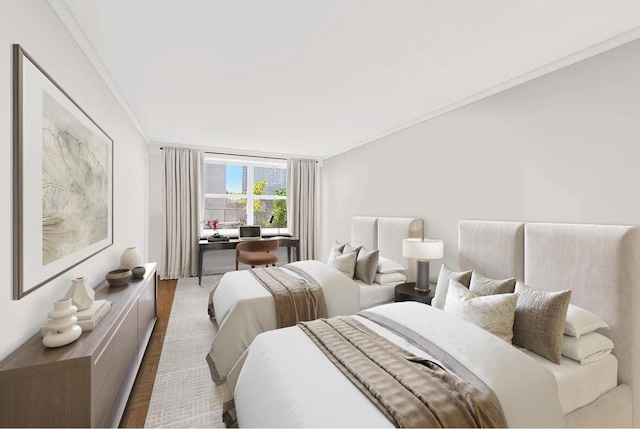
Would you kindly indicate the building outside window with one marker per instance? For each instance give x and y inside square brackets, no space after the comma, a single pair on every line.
[244,191]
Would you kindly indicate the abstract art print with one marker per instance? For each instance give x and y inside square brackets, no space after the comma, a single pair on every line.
[63,206]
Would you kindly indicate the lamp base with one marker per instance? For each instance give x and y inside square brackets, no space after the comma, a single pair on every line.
[422,279]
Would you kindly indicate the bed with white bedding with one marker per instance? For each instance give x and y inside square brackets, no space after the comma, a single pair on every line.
[243,308]
[600,264]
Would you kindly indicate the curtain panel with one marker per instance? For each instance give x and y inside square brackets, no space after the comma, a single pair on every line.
[302,185]
[182,200]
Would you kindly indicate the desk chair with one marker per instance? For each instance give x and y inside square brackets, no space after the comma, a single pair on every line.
[256,252]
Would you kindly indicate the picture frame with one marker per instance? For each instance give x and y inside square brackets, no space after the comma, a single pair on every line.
[63,180]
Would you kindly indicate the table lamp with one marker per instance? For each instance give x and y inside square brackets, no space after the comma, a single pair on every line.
[422,249]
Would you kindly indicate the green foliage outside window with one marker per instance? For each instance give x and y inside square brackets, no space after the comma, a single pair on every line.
[280,210]
[279,207]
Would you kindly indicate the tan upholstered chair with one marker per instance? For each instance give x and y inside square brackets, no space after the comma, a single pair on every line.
[256,252]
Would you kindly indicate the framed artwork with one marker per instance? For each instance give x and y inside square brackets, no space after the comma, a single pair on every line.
[63,180]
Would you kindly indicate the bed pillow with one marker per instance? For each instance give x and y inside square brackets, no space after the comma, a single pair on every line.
[540,319]
[588,348]
[345,263]
[386,265]
[366,265]
[337,247]
[493,313]
[390,278]
[484,286]
[446,274]
[580,322]
[349,248]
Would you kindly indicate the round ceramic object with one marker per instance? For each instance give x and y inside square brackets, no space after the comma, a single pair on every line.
[119,277]
[138,272]
[130,258]
[59,339]
[62,308]
[62,324]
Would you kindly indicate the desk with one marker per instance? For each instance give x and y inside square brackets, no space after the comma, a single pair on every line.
[291,243]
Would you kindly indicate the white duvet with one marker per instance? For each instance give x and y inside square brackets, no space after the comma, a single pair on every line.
[286,381]
[244,308]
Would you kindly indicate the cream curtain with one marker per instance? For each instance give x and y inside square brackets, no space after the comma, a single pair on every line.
[182,199]
[302,185]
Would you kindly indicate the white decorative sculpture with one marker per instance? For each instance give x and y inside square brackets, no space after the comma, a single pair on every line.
[81,294]
[62,324]
[130,258]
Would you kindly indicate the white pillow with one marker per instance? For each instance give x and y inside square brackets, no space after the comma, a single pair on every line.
[390,278]
[386,265]
[493,313]
[336,249]
[581,321]
[344,263]
[588,348]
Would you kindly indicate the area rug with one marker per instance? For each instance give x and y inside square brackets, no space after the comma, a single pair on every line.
[183,393]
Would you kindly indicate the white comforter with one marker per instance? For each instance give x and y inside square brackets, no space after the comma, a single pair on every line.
[286,381]
[244,308]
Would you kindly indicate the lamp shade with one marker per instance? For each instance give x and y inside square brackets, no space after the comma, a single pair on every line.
[423,248]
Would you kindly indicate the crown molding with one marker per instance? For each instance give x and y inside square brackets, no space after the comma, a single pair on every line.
[66,17]
[598,48]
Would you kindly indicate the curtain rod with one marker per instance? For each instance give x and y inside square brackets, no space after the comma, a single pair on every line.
[238,154]
[248,156]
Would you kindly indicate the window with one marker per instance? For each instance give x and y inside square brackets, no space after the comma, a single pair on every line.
[244,191]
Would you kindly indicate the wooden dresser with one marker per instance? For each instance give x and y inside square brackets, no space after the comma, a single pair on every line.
[85,383]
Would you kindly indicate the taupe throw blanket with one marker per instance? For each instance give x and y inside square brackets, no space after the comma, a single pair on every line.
[296,299]
[409,390]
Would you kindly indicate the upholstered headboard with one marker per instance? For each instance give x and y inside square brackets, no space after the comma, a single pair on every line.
[494,249]
[599,264]
[386,234]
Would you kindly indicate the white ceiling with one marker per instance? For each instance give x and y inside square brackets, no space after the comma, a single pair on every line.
[315,78]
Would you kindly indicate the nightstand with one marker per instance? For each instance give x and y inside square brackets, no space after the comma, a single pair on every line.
[408,292]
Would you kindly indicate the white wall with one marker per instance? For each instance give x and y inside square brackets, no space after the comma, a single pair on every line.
[561,148]
[34,26]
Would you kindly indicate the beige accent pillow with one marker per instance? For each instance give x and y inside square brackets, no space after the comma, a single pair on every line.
[336,249]
[588,348]
[540,319]
[581,321]
[485,286]
[493,313]
[345,263]
[366,265]
[349,248]
[446,274]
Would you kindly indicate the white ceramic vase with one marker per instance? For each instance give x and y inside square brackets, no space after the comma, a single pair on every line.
[130,258]
[62,324]
[81,294]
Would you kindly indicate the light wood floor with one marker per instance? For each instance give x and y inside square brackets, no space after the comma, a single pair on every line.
[136,412]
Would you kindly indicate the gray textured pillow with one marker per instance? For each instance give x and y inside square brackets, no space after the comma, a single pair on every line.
[539,321]
[345,263]
[366,265]
[484,286]
[446,274]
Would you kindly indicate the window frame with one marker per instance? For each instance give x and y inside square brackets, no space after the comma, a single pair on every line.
[249,162]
